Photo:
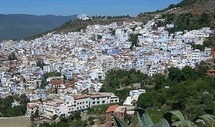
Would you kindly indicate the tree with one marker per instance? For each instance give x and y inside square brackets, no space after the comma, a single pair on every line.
[9,110]
[159,81]
[201,68]
[12,56]
[117,78]
[45,124]
[64,79]
[113,32]
[77,115]
[175,74]
[24,99]
[146,100]
[24,80]
[204,19]
[134,39]
[99,36]
[91,120]
[38,85]
[56,90]
[36,114]
[188,73]
[122,94]
[32,118]
[8,101]
[194,111]
[54,116]
[43,83]
[161,99]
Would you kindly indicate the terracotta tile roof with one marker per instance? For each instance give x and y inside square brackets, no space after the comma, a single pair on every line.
[120,109]
[32,105]
[70,83]
[99,95]
[76,97]
[111,108]
[210,70]
[56,82]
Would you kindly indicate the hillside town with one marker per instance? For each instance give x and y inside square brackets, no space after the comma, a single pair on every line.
[83,58]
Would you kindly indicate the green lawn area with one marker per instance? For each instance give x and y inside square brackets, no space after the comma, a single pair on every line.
[15,122]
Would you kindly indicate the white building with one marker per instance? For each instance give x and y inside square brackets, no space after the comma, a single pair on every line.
[68,104]
[83,17]
[133,97]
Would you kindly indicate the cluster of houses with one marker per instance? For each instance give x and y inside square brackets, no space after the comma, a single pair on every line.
[83,59]
[66,104]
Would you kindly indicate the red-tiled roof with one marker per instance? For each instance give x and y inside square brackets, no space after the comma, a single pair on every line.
[210,70]
[111,108]
[56,82]
[55,104]
[70,83]
[82,96]
[32,105]
[99,95]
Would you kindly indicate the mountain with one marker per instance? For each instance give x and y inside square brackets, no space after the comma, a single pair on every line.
[187,15]
[192,6]
[19,26]
[196,6]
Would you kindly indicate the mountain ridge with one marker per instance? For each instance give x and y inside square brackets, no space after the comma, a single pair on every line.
[19,26]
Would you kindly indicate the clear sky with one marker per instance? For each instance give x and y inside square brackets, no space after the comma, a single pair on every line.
[89,7]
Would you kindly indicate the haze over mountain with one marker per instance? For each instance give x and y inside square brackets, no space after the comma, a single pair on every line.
[19,26]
